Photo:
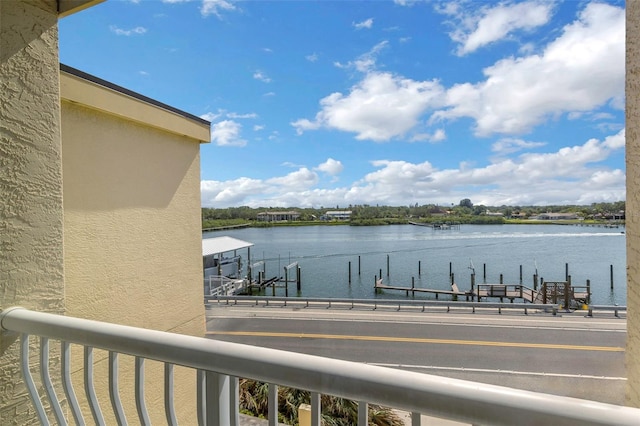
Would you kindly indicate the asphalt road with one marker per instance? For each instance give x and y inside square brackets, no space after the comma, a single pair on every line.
[566,355]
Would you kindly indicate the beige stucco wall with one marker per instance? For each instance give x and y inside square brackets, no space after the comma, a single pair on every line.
[132,234]
[633,202]
[31,224]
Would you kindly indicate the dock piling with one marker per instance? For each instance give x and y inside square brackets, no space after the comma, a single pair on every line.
[387,265]
[611,275]
[520,274]
[349,272]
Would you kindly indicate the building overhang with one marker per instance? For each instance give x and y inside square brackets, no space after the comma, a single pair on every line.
[92,92]
[69,7]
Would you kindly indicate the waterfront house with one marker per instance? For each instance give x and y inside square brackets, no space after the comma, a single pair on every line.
[337,215]
[556,216]
[278,216]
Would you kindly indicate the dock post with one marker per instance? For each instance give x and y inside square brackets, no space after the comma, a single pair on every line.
[567,290]
[484,273]
[520,274]
[566,272]
[299,278]
[413,286]
[588,292]
[611,275]
[419,267]
[501,279]
[375,284]
[380,272]
[450,268]
[452,279]
[286,282]
[387,265]
[535,281]
[473,284]
[544,292]
[349,272]
[358,265]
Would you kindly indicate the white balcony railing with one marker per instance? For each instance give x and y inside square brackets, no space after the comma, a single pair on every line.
[219,364]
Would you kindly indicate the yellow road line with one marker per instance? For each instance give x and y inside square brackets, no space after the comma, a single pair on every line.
[419,340]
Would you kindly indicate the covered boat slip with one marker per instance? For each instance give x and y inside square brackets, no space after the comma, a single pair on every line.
[222,265]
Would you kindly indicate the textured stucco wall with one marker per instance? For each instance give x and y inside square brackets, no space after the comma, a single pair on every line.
[132,238]
[633,202]
[31,217]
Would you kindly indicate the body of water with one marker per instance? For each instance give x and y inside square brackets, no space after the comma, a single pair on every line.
[324,253]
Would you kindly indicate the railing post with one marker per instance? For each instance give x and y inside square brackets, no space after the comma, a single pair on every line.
[201,397]
[141,406]
[272,409]
[217,398]
[234,401]
[416,419]
[363,413]
[316,409]
[168,395]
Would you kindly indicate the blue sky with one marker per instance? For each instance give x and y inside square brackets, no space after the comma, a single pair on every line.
[338,103]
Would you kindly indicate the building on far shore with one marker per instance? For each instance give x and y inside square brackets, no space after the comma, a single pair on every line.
[278,216]
[557,216]
[337,215]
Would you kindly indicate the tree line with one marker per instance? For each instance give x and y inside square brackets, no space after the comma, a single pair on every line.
[463,212]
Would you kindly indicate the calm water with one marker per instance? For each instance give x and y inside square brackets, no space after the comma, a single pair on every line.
[324,253]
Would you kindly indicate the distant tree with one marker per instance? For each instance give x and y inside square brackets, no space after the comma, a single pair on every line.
[466,203]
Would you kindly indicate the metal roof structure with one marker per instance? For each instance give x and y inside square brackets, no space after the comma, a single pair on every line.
[222,245]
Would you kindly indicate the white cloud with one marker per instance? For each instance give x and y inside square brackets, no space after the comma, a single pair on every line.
[581,70]
[259,75]
[133,31]
[215,7]
[312,58]
[299,179]
[571,175]
[227,133]
[494,22]
[230,193]
[381,107]
[242,116]
[212,116]
[367,61]
[438,136]
[510,145]
[368,24]
[258,127]
[331,167]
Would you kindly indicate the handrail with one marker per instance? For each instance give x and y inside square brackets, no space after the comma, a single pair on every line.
[399,303]
[415,392]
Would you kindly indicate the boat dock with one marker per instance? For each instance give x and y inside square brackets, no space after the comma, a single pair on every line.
[437,226]
[556,292]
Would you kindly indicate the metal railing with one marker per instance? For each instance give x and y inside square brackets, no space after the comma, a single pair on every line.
[400,304]
[219,364]
[374,304]
[219,285]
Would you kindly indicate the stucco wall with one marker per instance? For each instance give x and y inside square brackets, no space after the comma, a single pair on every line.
[31,224]
[633,202]
[132,238]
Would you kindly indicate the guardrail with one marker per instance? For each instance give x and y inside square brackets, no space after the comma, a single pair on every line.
[615,308]
[376,303]
[220,363]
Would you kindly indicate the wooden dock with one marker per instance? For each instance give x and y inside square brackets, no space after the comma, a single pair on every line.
[454,292]
[549,292]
